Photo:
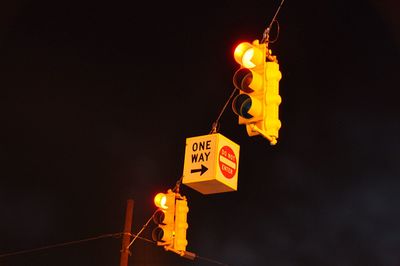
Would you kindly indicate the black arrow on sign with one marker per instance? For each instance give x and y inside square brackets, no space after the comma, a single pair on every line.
[202,170]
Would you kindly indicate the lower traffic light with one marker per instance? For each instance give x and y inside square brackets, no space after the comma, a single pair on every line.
[171,221]
[164,218]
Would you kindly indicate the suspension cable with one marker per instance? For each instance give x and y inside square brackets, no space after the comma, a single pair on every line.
[141,230]
[59,245]
[215,126]
[265,38]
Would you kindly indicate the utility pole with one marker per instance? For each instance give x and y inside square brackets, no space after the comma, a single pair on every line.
[127,233]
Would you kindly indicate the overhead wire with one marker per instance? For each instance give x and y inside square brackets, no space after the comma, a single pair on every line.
[215,126]
[141,230]
[277,32]
[211,260]
[267,30]
[69,243]
[74,242]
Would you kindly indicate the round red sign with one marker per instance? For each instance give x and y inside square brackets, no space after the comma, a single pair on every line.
[227,162]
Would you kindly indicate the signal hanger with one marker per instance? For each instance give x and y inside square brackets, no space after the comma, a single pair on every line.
[265,38]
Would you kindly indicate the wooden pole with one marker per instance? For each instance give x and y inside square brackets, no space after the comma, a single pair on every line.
[127,233]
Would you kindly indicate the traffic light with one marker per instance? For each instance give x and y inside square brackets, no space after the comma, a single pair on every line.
[164,218]
[257,80]
[181,225]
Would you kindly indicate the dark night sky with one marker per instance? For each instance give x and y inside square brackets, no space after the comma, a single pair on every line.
[97,99]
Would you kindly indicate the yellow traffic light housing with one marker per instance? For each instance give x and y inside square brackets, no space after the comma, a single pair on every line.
[164,218]
[272,124]
[181,225]
[257,80]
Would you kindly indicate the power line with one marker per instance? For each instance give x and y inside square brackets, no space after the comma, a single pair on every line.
[215,125]
[74,242]
[265,38]
[211,260]
[70,243]
[58,245]
[141,230]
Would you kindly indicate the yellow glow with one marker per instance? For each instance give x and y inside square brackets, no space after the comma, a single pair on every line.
[160,200]
[240,50]
[247,57]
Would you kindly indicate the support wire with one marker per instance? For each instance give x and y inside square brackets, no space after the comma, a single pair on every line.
[265,38]
[59,245]
[141,230]
[115,235]
[215,126]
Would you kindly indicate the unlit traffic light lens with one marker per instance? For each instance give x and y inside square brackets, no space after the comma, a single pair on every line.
[159,217]
[157,234]
[241,105]
[242,80]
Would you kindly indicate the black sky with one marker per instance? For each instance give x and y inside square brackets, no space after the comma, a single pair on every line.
[99,97]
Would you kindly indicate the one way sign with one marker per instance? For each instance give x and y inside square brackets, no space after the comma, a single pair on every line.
[211,164]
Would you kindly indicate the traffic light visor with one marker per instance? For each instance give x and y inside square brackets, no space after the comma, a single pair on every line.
[160,200]
[247,55]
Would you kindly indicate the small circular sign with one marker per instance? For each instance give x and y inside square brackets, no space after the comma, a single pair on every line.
[227,162]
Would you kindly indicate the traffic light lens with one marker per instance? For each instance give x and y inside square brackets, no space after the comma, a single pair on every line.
[242,80]
[240,50]
[159,217]
[241,106]
[157,234]
[246,81]
[160,200]
[247,57]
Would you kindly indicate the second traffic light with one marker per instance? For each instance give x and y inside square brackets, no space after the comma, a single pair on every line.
[257,80]
[164,218]
[171,221]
